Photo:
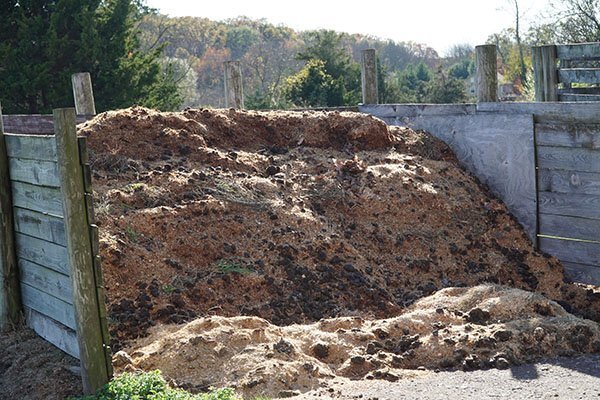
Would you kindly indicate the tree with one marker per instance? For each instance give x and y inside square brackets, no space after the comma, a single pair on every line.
[568,21]
[240,39]
[314,87]
[327,64]
[45,41]
[443,89]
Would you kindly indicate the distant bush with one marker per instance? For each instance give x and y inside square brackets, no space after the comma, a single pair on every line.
[152,386]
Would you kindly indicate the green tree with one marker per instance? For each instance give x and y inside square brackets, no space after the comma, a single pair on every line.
[327,64]
[444,89]
[240,39]
[46,41]
[314,87]
[412,83]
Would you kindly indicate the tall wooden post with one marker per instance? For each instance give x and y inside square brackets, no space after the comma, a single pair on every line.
[549,69]
[370,92]
[10,299]
[83,93]
[94,367]
[487,74]
[538,73]
[234,92]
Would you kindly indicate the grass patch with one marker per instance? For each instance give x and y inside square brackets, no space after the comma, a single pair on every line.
[152,386]
[232,266]
[132,234]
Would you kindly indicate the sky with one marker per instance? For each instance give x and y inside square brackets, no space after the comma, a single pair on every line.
[437,23]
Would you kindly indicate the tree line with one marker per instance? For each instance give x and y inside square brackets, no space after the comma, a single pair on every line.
[138,56]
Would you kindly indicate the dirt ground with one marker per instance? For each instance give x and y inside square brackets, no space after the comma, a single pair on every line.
[572,378]
[285,250]
[31,368]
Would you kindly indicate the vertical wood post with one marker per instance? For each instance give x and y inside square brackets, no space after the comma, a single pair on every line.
[94,370]
[487,73]
[83,93]
[10,299]
[234,92]
[538,73]
[370,92]
[550,72]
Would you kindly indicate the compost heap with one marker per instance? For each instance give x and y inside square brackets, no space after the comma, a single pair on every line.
[293,217]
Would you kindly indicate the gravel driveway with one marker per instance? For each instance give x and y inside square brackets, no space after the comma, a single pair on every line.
[563,378]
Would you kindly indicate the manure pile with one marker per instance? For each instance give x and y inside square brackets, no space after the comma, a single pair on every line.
[292,217]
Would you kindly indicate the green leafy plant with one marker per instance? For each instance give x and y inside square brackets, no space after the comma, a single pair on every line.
[131,233]
[152,386]
[231,266]
[168,289]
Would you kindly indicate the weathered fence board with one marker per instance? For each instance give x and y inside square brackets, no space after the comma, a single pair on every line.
[569,227]
[416,110]
[59,335]
[582,160]
[562,181]
[586,253]
[580,51]
[582,273]
[43,173]
[37,198]
[10,300]
[34,124]
[41,148]
[547,112]
[578,97]
[48,305]
[568,135]
[575,205]
[46,280]
[95,360]
[41,252]
[580,90]
[39,225]
[579,75]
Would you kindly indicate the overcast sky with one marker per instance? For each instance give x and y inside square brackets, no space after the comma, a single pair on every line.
[438,23]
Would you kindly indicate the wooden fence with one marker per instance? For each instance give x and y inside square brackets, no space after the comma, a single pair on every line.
[49,261]
[541,159]
[567,73]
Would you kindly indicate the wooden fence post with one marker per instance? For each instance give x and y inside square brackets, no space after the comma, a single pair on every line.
[487,73]
[234,92]
[370,92]
[550,73]
[83,93]
[538,73]
[94,366]
[10,299]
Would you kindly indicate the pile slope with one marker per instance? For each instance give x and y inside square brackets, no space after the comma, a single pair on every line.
[294,217]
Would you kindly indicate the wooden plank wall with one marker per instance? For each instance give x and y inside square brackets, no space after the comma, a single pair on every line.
[56,240]
[578,72]
[46,289]
[568,156]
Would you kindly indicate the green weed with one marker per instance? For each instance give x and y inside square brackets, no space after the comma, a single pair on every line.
[132,234]
[231,266]
[152,386]
[168,289]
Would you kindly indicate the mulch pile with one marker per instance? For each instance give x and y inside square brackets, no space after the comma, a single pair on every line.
[294,217]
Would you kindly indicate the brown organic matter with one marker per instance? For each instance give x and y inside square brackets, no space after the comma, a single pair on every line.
[293,217]
[258,358]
